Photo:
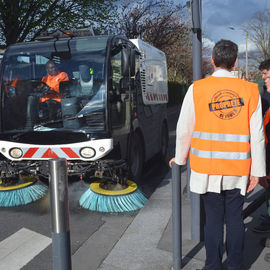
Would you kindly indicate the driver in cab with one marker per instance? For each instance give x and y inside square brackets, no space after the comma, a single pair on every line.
[53,79]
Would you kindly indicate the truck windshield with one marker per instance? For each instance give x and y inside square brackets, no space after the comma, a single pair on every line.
[54,85]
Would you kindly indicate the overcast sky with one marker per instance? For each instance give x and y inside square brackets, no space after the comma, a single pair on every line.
[219,15]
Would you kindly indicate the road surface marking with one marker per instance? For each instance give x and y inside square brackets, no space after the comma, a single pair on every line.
[20,248]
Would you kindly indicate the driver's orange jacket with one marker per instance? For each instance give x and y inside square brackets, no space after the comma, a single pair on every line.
[16,82]
[53,82]
[220,142]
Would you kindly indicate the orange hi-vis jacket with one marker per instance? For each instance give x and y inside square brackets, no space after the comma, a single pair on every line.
[53,82]
[220,142]
[266,122]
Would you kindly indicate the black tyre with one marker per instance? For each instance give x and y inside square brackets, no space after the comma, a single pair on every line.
[136,157]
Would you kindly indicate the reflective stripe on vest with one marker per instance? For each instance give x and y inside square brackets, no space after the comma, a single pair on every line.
[221,137]
[220,155]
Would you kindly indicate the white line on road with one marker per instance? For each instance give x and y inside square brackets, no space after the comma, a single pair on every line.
[20,248]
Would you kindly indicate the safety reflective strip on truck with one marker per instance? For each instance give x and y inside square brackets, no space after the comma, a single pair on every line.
[156,97]
[51,152]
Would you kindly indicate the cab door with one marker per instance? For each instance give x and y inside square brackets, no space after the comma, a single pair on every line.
[119,98]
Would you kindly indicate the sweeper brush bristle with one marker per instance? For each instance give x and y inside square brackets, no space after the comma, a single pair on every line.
[22,194]
[113,201]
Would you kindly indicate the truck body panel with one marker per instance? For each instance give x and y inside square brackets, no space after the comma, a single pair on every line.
[153,72]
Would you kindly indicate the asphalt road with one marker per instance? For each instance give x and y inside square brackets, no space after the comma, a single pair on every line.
[33,221]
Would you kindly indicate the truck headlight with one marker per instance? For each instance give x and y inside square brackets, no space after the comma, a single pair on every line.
[16,152]
[87,152]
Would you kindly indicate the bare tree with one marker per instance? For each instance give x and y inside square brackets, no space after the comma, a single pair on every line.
[258,30]
[179,58]
[132,16]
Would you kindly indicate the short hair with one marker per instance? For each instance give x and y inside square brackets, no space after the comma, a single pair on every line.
[264,65]
[225,54]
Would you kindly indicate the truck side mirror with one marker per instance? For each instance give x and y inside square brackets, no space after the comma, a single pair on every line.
[128,62]
[125,61]
[127,84]
[132,63]
[124,84]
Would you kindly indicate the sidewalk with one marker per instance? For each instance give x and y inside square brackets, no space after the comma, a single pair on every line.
[147,241]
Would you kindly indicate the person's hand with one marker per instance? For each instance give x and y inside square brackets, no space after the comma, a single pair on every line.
[253,181]
[171,162]
[53,92]
[263,182]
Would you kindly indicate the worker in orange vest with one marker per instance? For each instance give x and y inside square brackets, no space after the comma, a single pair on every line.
[221,128]
[264,226]
[53,79]
[14,86]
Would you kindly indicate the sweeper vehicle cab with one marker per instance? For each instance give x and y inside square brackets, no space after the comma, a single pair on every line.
[106,119]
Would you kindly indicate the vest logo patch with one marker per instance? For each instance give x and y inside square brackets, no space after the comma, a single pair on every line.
[226,104]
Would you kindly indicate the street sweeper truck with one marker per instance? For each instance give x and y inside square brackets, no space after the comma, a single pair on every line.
[97,101]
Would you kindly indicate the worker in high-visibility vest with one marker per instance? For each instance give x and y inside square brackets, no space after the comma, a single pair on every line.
[53,79]
[264,225]
[221,128]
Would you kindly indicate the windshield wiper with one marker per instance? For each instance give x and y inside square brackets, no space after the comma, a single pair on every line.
[59,120]
[19,135]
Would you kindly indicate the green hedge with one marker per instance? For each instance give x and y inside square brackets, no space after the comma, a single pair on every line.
[177,92]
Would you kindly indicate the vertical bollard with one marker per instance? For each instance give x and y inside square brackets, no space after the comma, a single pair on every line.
[176,216]
[196,12]
[188,179]
[60,214]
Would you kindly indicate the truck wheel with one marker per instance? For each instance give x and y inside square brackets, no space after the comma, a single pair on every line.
[164,142]
[136,157]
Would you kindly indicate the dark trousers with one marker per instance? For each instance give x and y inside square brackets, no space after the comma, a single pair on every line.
[225,207]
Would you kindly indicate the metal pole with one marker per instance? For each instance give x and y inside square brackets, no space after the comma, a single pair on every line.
[196,39]
[188,179]
[196,204]
[176,216]
[60,214]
